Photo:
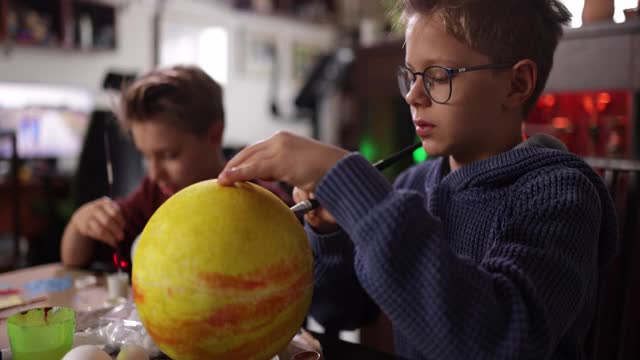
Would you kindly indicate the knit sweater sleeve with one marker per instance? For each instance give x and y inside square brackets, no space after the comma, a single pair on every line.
[516,303]
[339,301]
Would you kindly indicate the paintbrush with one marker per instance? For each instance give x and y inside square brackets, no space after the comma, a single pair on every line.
[109,164]
[305,206]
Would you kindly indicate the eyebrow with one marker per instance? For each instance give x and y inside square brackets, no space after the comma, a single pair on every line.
[160,151]
[435,61]
[165,149]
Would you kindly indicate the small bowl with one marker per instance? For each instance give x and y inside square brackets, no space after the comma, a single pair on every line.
[42,333]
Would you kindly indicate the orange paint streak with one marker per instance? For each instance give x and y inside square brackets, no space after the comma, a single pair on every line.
[305,280]
[251,281]
[188,336]
[179,341]
[138,296]
[250,348]
[235,314]
[189,340]
[231,320]
[160,336]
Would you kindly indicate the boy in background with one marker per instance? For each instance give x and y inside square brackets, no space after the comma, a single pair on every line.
[491,250]
[176,118]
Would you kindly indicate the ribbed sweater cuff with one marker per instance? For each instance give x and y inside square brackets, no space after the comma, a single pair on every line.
[351,189]
[332,244]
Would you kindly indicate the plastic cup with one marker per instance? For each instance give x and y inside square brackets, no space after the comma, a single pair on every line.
[118,285]
[42,333]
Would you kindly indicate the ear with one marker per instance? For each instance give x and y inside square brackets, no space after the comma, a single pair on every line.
[524,77]
[215,133]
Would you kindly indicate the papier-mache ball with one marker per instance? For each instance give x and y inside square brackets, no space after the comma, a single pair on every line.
[223,272]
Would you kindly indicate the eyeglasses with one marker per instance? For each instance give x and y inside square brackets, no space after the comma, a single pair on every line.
[437,79]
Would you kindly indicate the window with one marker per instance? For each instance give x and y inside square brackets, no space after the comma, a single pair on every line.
[213,47]
[207,47]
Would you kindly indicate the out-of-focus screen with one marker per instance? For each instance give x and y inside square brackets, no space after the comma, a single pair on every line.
[50,122]
[44,132]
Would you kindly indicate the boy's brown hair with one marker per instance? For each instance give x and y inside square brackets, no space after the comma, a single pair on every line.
[505,30]
[182,96]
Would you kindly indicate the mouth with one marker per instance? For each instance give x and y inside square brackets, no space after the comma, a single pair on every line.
[423,128]
[166,190]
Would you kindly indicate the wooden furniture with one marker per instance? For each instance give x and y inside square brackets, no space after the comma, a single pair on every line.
[377,120]
[616,327]
[34,210]
[12,183]
[305,10]
[68,24]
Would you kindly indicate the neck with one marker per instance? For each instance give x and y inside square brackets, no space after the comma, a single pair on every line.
[494,147]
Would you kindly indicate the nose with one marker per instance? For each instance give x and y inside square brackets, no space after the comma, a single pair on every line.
[417,95]
[154,169]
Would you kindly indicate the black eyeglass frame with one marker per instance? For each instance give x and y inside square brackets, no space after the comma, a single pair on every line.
[450,72]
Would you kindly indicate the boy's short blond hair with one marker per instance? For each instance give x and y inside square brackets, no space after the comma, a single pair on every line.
[182,96]
[505,30]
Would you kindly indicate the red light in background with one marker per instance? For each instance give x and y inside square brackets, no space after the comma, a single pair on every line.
[603,100]
[587,104]
[547,101]
[591,123]
[123,263]
[561,123]
[599,104]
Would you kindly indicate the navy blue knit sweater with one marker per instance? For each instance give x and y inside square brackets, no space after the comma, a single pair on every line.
[496,260]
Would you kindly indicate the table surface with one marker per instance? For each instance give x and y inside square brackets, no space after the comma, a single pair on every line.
[96,296]
[78,299]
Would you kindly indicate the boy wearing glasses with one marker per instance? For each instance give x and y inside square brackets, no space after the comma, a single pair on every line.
[490,251]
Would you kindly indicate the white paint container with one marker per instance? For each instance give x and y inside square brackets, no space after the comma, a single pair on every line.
[118,285]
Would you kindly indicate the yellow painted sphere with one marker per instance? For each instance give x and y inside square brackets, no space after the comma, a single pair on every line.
[222,273]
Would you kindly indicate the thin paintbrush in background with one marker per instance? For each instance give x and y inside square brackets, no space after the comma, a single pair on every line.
[107,155]
[307,205]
